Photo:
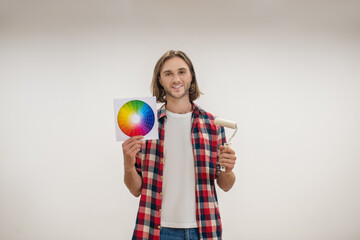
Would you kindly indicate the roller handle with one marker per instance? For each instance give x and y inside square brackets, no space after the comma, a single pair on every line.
[223,168]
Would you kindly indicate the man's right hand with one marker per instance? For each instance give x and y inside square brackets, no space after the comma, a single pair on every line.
[130,147]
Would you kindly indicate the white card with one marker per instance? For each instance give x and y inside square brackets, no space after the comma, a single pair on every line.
[135,116]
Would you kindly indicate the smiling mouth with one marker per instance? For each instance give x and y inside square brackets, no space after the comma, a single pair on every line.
[176,87]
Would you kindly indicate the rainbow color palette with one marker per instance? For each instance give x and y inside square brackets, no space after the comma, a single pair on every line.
[135,116]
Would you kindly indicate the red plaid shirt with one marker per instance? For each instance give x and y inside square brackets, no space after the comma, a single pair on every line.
[206,137]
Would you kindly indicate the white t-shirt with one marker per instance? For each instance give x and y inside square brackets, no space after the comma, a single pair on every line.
[178,208]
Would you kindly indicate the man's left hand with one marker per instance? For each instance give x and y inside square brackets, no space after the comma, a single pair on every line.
[227,158]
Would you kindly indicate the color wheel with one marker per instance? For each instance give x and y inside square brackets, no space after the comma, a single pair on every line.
[136,118]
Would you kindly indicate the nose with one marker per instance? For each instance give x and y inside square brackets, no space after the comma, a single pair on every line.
[176,77]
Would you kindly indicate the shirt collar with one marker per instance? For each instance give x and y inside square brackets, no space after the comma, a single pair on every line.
[162,112]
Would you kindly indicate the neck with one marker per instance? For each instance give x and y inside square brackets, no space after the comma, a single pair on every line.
[179,106]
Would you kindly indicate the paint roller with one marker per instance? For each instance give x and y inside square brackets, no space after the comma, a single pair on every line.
[228,124]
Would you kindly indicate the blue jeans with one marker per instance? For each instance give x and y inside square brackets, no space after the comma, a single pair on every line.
[179,233]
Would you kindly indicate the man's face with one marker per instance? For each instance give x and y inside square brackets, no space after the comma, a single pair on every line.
[175,77]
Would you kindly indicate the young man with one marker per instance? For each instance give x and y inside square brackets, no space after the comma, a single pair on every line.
[175,174]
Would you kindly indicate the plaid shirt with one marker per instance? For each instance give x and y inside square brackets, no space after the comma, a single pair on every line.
[206,137]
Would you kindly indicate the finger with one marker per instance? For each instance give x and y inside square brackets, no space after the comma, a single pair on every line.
[131,143]
[128,146]
[134,138]
[227,156]
[137,137]
[230,160]
[228,150]
[135,148]
[227,162]
[229,165]
[130,156]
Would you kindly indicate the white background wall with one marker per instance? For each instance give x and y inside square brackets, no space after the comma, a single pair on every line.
[287,71]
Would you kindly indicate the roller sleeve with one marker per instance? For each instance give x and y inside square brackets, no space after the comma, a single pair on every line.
[225,123]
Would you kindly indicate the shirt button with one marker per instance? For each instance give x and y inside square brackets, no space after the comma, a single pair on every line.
[159,227]
[161,177]
[159,210]
[161,193]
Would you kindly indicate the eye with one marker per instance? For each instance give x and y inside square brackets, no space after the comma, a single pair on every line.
[182,72]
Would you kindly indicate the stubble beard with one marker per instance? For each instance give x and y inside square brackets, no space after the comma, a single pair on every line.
[186,92]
